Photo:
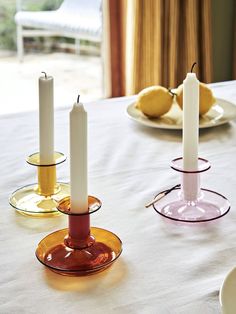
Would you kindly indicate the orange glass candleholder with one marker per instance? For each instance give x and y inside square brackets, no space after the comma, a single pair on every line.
[79,250]
[41,199]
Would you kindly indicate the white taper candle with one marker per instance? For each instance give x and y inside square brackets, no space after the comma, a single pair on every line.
[190,122]
[78,159]
[46,120]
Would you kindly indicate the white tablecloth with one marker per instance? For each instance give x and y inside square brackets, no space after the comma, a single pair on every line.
[164,268]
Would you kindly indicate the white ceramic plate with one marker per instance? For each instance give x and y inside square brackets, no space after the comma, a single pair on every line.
[221,112]
[228,293]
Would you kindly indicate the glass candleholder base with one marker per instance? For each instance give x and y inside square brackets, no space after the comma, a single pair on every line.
[28,201]
[79,250]
[209,206]
[190,203]
[41,199]
[103,248]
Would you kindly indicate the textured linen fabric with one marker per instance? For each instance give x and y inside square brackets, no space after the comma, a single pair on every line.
[165,267]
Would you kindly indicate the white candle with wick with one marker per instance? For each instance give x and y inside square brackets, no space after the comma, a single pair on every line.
[78,159]
[190,122]
[190,136]
[46,120]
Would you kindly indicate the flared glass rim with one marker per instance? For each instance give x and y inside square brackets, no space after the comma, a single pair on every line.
[34,159]
[203,165]
[94,204]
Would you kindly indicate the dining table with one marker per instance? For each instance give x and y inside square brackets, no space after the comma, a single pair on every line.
[166,267]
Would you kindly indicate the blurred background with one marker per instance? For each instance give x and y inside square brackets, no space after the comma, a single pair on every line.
[73,71]
[141,43]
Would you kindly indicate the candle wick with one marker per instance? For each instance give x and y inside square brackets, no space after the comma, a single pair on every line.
[45,74]
[193,66]
[78,99]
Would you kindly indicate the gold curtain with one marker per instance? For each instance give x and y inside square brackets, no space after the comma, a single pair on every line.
[162,39]
[114,43]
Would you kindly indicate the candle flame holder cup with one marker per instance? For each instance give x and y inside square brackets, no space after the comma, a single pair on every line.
[79,250]
[189,202]
[41,199]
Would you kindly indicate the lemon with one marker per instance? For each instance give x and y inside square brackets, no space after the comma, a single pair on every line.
[154,101]
[206,98]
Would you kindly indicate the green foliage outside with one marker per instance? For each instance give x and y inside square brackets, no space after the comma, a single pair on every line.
[7,23]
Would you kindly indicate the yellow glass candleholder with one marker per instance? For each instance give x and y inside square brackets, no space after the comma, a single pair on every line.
[41,199]
[79,250]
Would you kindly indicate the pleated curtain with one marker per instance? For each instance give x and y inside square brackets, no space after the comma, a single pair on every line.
[158,42]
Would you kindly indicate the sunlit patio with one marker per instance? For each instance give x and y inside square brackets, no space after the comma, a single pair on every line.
[72,74]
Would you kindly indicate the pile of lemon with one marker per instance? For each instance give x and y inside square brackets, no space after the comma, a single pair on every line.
[155,101]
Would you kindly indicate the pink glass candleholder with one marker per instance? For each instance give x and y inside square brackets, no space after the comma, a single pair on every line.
[79,250]
[40,199]
[190,202]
